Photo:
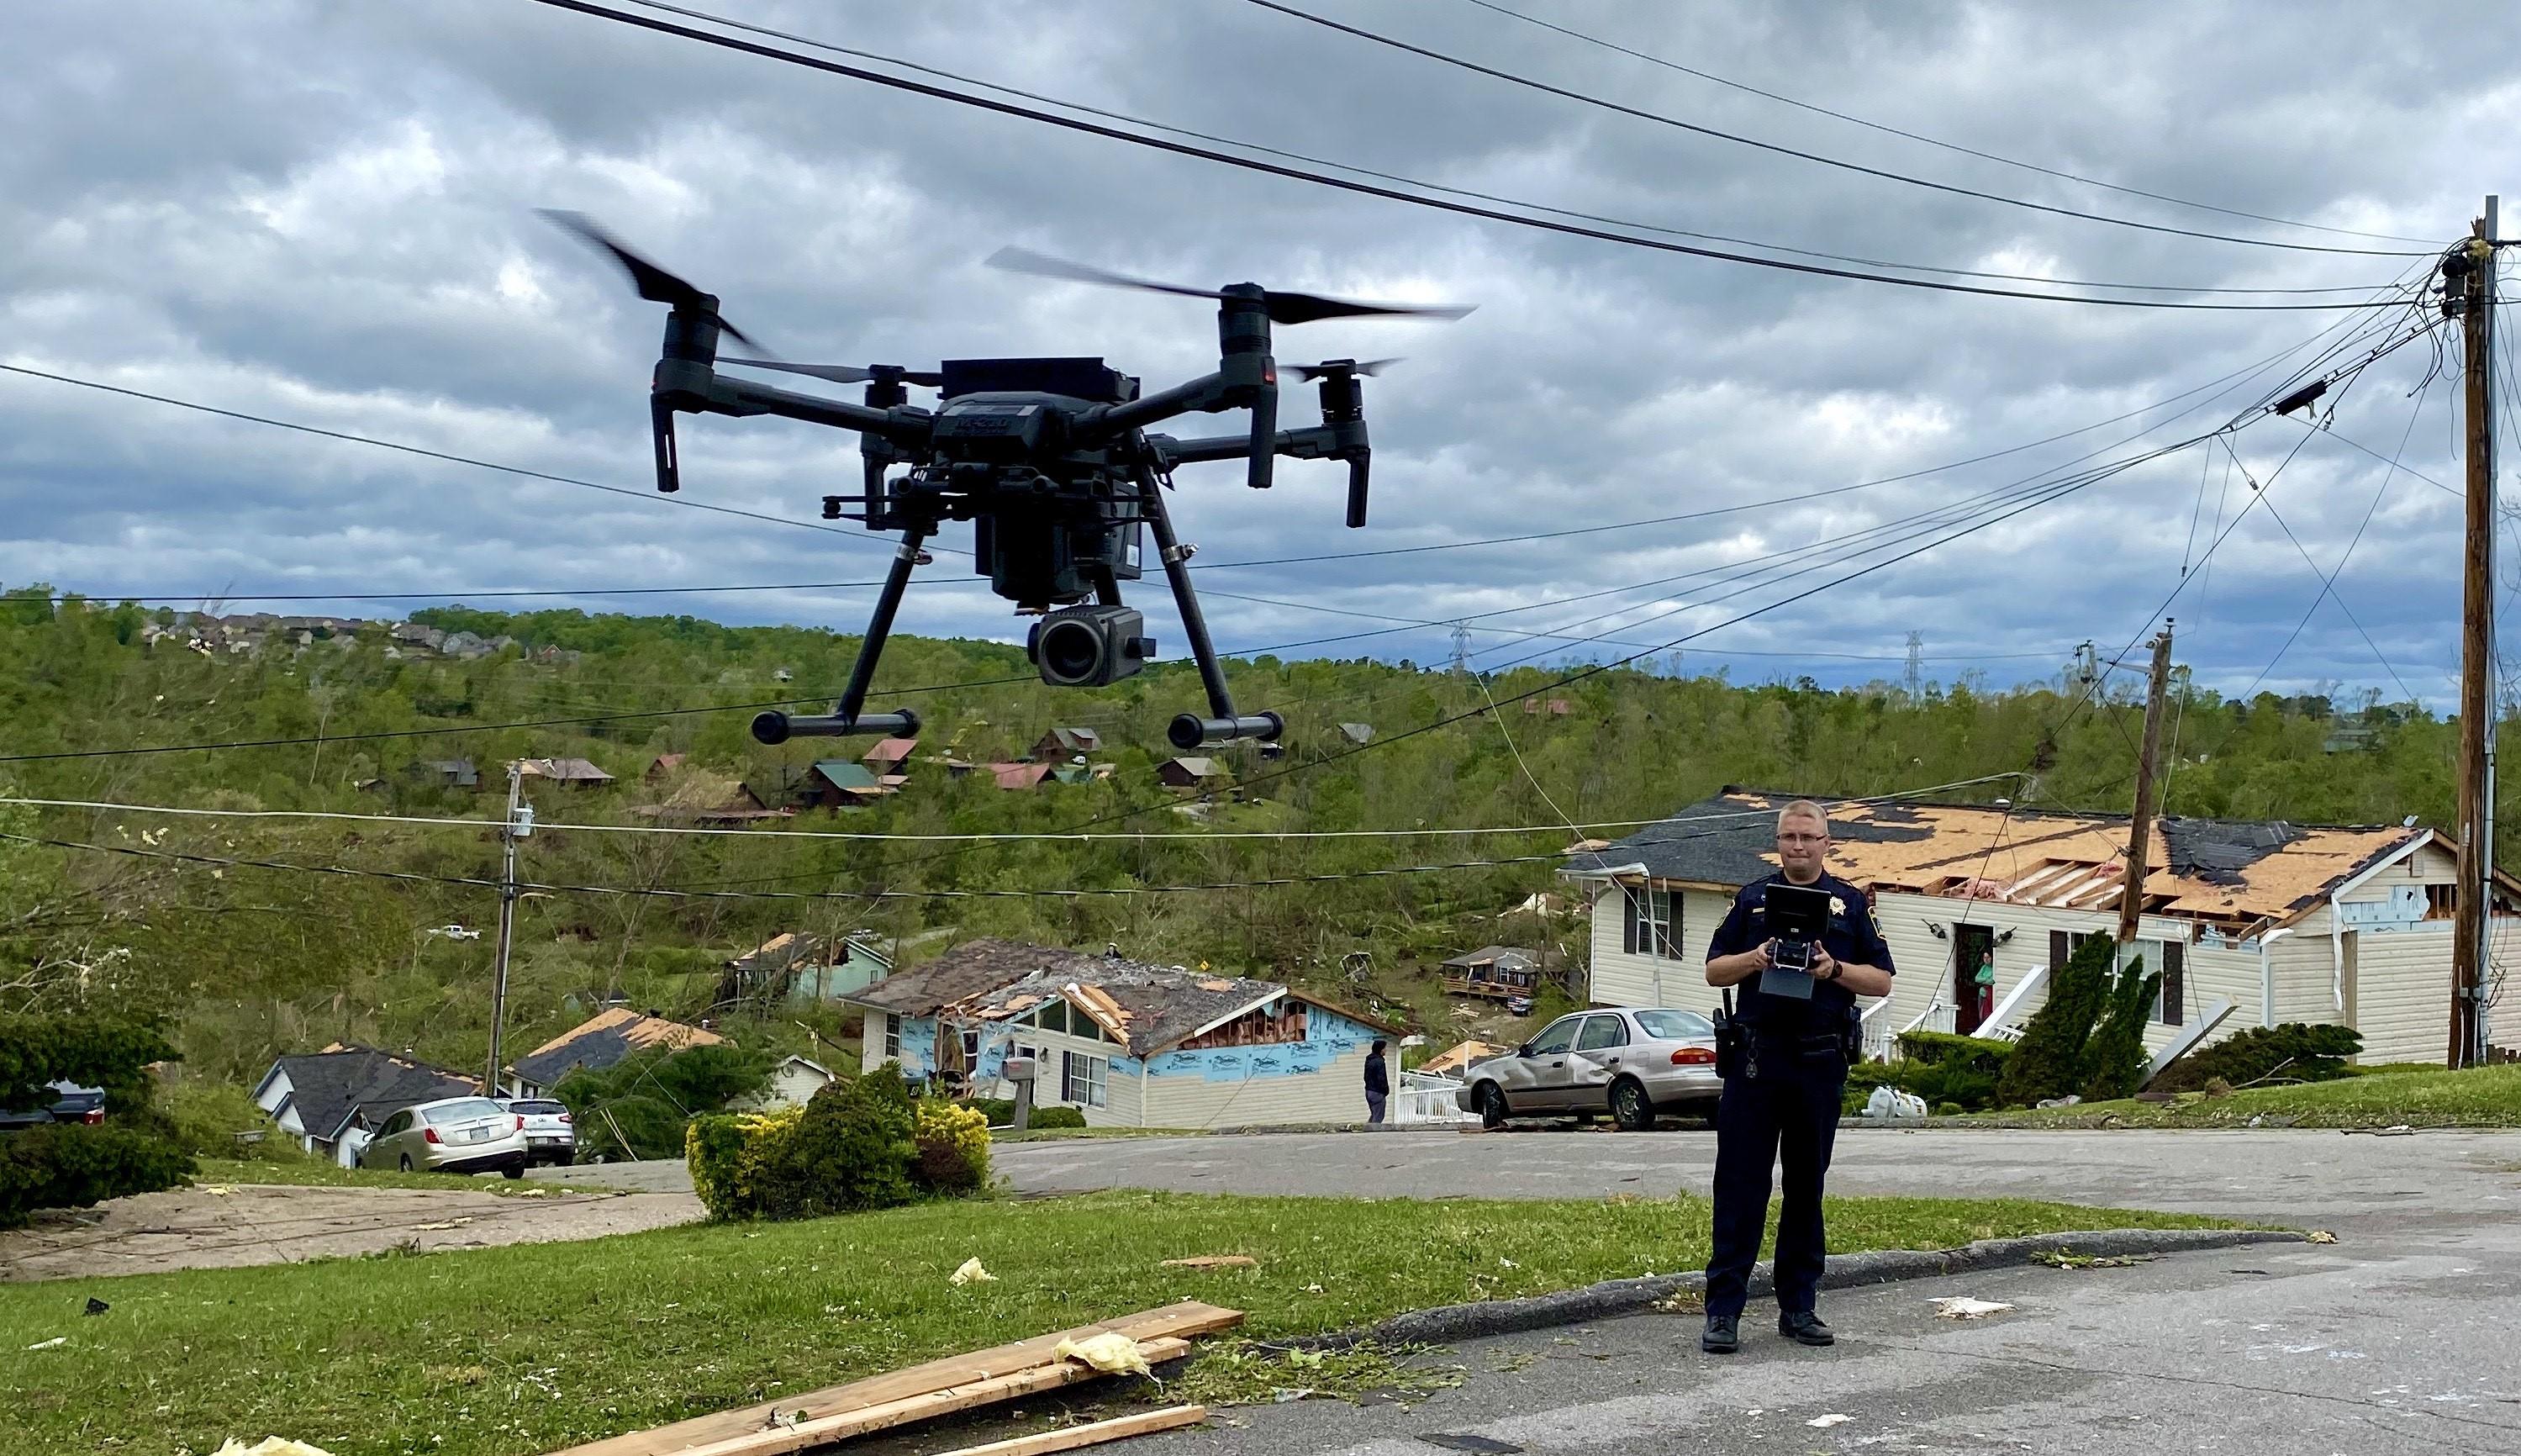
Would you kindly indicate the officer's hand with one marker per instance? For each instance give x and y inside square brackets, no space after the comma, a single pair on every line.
[1763,956]
[1824,965]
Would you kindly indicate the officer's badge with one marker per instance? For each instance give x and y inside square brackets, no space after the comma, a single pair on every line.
[1837,906]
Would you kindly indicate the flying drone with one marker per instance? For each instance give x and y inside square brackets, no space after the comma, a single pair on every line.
[1049,459]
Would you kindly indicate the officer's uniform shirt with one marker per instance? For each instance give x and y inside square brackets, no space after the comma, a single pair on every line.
[1852,938]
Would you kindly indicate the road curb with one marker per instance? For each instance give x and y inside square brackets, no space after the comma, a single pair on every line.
[1617,1297]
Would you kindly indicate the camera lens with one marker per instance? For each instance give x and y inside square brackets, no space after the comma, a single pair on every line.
[1071,651]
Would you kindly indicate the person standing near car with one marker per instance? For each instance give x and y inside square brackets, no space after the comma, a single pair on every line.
[1781,1101]
[1378,1082]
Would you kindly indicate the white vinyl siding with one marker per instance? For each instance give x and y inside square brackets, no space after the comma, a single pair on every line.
[1621,978]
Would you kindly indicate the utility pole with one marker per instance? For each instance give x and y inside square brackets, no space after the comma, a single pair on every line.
[2468,292]
[2140,827]
[509,833]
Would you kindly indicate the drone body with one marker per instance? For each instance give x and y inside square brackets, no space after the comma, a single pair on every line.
[1048,458]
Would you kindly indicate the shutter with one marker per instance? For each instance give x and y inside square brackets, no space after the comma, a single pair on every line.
[2175,984]
[1628,919]
[2059,951]
[1673,901]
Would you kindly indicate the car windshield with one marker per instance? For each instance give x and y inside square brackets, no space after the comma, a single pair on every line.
[538,1108]
[458,1111]
[1674,1025]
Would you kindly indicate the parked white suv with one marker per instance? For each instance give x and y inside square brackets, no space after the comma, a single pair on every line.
[551,1135]
[451,1135]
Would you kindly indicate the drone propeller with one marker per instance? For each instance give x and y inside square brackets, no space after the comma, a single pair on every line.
[1282,307]
[1328,367]
[846,373]
[655,284]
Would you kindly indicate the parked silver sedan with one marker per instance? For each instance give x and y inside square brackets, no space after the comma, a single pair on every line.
[451,1135]
[1634,1063]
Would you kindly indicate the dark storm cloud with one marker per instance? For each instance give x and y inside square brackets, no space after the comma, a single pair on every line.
[324,212]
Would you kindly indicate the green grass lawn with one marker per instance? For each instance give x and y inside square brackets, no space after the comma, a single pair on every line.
[2480,1097]
[317,1172]
[533,1346]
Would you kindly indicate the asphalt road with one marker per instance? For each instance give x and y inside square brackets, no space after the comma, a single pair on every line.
[2402,1336]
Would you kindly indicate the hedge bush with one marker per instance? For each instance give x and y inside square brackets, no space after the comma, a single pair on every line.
[72,1166]
[2296,1051]
[206,1117]
[857,1146]
[55,1166]
[1056,1116]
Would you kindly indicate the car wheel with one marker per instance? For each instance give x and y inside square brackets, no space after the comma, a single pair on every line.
[1631,1108]
[1493,1110]
[513,1170]
[406,1162]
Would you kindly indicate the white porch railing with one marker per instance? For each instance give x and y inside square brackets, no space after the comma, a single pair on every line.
[1424,1099]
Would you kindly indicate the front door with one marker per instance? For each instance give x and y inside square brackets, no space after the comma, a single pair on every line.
[1973,976]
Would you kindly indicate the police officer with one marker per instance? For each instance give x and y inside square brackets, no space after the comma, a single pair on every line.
[1781,1099]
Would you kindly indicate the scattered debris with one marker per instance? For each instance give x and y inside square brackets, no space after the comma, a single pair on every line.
[270,1446]
[2069,1100]
[2067,1258]
[1286,1394]
[442,1226]
[1962,1307]
[1213,1261]
[971,1273]
[218,1190]
[1825,1422]
[56,1342]
[1108,1352]
[2401,1130]
[95,1305]
[2319,1236]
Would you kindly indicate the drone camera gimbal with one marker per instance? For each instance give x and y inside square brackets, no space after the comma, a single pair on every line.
[1049,459]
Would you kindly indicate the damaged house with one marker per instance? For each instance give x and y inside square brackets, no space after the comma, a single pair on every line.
[1129,1043]
[2251,922]
[333,1101]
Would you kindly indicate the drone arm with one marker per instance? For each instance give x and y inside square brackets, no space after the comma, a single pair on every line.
[1340,440]
[1206,394]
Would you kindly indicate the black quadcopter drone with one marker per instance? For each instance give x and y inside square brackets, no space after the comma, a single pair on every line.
[1050,461]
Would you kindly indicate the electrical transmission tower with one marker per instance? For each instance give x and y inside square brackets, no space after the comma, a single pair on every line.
[1917,677]
[1461,650]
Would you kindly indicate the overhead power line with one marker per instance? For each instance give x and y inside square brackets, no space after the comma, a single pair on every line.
[1889,130]
[1462,192]
[1362,33]
[1369,189]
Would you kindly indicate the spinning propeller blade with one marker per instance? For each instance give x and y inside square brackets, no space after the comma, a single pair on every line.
[655,284]
[1283,307]
[1311,372]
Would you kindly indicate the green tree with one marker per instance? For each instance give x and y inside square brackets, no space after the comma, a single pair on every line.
[2049,1060]
[2115,1059]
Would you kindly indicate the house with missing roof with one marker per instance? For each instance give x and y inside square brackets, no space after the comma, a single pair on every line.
[600,1041]
[334,1100]
[1129,1043]
[2251,922]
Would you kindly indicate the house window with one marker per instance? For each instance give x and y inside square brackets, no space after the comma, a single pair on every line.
[1054,1016]
[2170,957]
[892,1037]
[1083,1080]
[971,1050]
[1653,926]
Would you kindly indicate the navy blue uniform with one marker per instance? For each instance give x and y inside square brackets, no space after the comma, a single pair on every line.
[1785,1104]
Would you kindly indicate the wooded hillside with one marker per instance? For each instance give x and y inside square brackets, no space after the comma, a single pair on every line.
[251,960]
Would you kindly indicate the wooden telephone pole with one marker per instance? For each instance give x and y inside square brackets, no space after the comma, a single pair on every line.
[508,834]
[2140,827]
[2468,292]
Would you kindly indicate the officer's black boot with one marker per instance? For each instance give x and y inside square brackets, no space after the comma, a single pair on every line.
[1804,1327]
[1724,1335]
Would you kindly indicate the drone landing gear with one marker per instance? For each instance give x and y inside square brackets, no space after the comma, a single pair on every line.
[846,718]
[1189,730]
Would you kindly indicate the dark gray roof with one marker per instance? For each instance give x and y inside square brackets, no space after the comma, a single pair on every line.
[1717,841]
[2217,850]
[326,1087]
[970,969]
[602,1041]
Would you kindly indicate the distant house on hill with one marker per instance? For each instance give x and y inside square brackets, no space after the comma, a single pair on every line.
[1190,773]
[1358,733]
[802,969]
[571,773]
[1498,971]
[795,1082]
[1556,707]
[663,767]
[1059,744]
[334,1100]
[890,757]
[601,1041]
[839,784]
[444,773]
[1020,776]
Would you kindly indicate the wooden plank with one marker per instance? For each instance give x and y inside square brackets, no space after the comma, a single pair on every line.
[1117,1429]
[1174,1321]
[820,1430]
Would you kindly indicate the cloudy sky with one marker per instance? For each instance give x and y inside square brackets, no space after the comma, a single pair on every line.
[325,213]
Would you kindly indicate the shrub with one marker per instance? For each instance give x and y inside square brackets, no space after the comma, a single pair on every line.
[636,1107]
[2049,1060]
[854,1147]
[953,1146]
[206,1117]
[70,1165]
[2115,1059]
[54,1166]
[1055,1117]
[2297,1051]
[1000,1111]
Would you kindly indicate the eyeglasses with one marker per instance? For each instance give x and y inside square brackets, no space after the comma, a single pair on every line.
[1802,839]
